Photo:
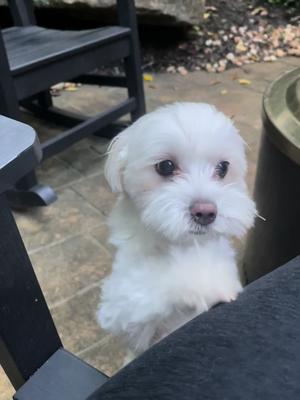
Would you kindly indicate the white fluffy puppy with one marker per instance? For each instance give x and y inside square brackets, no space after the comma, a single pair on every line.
[179,172]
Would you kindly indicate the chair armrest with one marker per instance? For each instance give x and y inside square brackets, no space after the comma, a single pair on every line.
[20,151]
[63,376]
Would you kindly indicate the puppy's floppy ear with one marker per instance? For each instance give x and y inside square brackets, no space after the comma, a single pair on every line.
[116,161]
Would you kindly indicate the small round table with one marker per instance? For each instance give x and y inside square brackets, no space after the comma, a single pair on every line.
[275,238]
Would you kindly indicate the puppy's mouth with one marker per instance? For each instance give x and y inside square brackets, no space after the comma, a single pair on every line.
[198,230]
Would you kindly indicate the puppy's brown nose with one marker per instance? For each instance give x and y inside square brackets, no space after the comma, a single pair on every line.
[203,213]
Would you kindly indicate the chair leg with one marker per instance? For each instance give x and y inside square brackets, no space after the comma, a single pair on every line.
[45,99]
[9,106]
[29,193]
[132,64]
[135,87]
[28,336]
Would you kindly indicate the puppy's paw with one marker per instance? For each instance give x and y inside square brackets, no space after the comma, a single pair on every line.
[130,356]
[227,296]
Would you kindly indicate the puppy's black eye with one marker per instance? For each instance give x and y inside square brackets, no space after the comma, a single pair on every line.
[222,169]
[165,168]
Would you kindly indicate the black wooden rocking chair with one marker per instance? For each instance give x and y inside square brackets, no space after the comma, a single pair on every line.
[31,352]
[34,58]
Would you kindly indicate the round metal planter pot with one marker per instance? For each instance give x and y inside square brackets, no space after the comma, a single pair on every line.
[277,188]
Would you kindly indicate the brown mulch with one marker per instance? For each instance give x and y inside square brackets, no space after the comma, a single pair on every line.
[233,33]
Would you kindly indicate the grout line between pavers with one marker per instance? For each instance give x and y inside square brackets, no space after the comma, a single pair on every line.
[101,154]
[102,341]
[79,180]
[89,148]
[66,238]
[102,247]
[79,293]
[68,165]
[88,202]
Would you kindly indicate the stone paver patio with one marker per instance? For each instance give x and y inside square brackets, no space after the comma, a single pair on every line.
[67,240]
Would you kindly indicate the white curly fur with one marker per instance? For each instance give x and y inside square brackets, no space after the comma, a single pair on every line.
[164,273]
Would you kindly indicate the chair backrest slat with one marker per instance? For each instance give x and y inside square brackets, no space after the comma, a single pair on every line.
[8,104]
[22,12]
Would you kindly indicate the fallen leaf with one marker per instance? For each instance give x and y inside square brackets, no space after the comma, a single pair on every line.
[254,57]
[280,53]
[295,43]
[209,67]
[148,77]
[244,81]
[242,30]
[221,68]
[294,52]
[270,58]
[211,8]
[71,89]
[230,56]
[240,47]
[214,82]
[58,86]
[224,91]
[217,42]
[68,85]
[237,62]
[171,69]
[258,10]
[182,71]
[223,62]
[206,15]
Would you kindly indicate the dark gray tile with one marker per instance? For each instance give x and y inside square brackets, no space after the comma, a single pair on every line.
[83,158]
[76,321]
[99,144]
[70,266]
[68,216]
[107,356]
[97,192]
[90,99]
[55,173]
[101,234]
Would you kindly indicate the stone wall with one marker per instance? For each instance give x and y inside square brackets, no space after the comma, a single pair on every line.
[161,12]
